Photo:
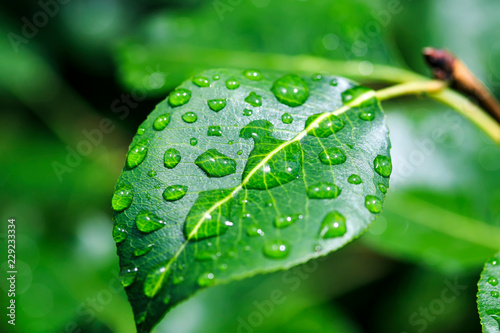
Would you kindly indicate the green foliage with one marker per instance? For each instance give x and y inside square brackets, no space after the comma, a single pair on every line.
[265,195]
[488,296]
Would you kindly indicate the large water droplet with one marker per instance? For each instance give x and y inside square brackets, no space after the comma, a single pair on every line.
[215,164]
[217,104]
[493,281]
[122,198]
[147,222]
[128,275]
[247,112]
[161,122]
[277,249]
[143,250]
[206,279]
[373,204]
[367,115]
[329,125]
[200,224]
[495,294]
[136,155]
[189,117]
[214,131]
[232,84]
[333,225]
[323,190]
[286,118]
[253,99]
[287,220]
[382,165]
[154,280]
[332,156]
[354,179]
[171,158]
[290,90]
[281,168]
[179,97]
[175,192]
[254,231]
[253,75]
[141,131]
[353,93]
[382,188]
[201,81]
[120,232]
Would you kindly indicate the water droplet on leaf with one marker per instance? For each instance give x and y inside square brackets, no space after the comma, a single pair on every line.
[154,281]
[175,192]
[287,220]
[215,164]
[286,118]
[254,231]
[382,188]
[206,279]
[193,142]
[171,158]
[323,190]
[333,225]
[329,125]
[120,232]
[290,90]
[253,75]
[179,97]
[247,112]
[136,155]
[128,275]
[332,156]
[493,281]
[189,117]
[232,84]
[354,179]
[382,165]
[373,204]
[353,93]
[277,249]
[142,251]
[214,131]
[217,104]
[122,197]
[147,222]
[201,81]
[253,99]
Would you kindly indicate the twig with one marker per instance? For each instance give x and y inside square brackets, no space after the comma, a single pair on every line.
[447,67]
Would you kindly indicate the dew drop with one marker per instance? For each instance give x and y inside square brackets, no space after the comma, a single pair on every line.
[332,156]
[382,188]
[128,275]
[333,225]
[154,281]
[143,250]
[494,261]
[136,155]
[206,279]
[290,90]
[189,117]
[179,97]
[334,82]
[147,222]
[174,192]
[495,294]
[216,77]
[122,197]
[247,112]
[239,152]
[373,204]
[232,84]
[193,142]
[287,220]
[329,125]
[201,81]
[323,190]
[493,281]
[217,104]
[215,164]
[254,231]
[353,93]
[171,158]
[214,131]
[382,165]
[151,173]
[354,179]
[253,75]
[317,77]
[286,118]
[120,232]
[367,115]
[276,249]
[141,131]
[230,142]
[253,99]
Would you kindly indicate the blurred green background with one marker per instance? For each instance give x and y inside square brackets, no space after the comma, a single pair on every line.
[69,67]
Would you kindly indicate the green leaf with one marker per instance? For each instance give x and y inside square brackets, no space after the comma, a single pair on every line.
[265,195]
[488,296]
